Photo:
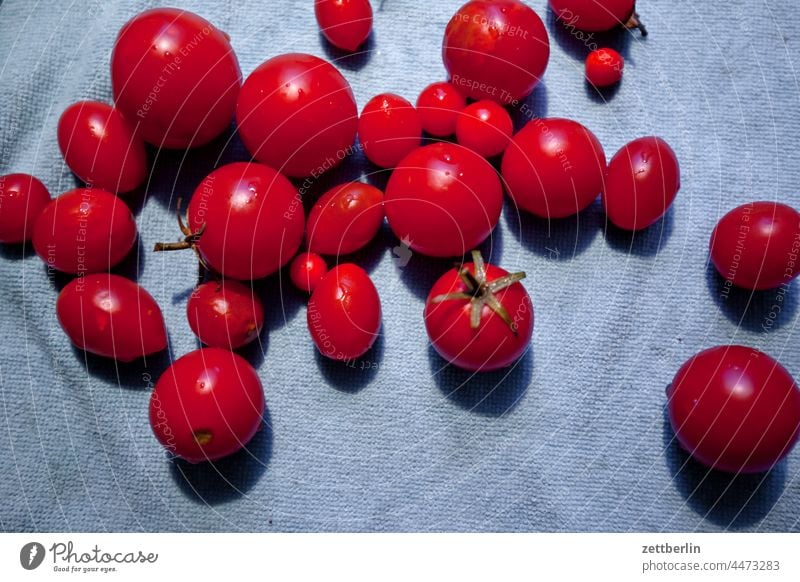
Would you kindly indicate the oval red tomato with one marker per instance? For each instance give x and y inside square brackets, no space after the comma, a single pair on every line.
[389,128]
[485,128]
[22,199]
[439,106]
[345,219]
[345,23]
[225,314]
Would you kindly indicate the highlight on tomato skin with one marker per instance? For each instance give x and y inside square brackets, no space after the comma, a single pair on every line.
[22,199]
[346,24]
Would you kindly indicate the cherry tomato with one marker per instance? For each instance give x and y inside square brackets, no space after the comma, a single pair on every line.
[297,113]
[756,246]
[438,106]
[389,129]
[479,317]
[593,15]
[101,148]
[444,199]
[22,199]
[496,49]
[735,409]
[345,219]
[485,128]
[604,67]
[344,313]
[307,270]
[85,230]
[176,77]
[345,23]
[642,181]
[554,167]
[111,316]
[225,314]
[207,405]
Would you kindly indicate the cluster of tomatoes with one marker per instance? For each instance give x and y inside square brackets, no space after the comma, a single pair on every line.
[177,84]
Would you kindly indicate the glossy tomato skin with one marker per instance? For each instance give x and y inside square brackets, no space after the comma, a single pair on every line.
[111,316]
[389,128]
[253,219]
[554,167]
[22,199]
[439,106]
[345,219]
[225,314]
[85,230]
[484,127]
[297,113]
[492,345]
[592,15]
[641,183]
[443,199]
[756,246]
[101,147]
[207,405]
[604,67]
[496,49]
[307,270]
[344,313]
[175,76]
[735,409]
[345,23]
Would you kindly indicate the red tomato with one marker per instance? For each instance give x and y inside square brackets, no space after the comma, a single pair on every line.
[554,167]
[22,199]
[735,409]
[757,245]
[443,199]
[389,129]
[307,270]
[207,405]
[604,67]
[297,113]
[225,314]
[345,219]
[176,77]
[85,230]
[438,106]
[344,313]
[345,23]
[111,316]
[642,181]
[593,15]
[99,145]
[479,317]
[496,49]
[485,128]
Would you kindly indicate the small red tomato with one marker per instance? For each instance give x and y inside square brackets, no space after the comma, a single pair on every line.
[101,148]
[735,409]
[344,313]
[438,106]
[642,181]
[756,246]
[389,128]
[496,49]
[485,128]
[85,230]
[345,219]
[297,113]
[111,316]
[22,199]
[479,317]
[207,405]
[444,199]
[554,167]
[345,23]
[593,15]
[225,314]
[307,270]
[604,67]
[175,76]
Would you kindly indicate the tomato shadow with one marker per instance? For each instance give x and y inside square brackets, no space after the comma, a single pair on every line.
[215,482]
[578,44]
[534,106]
[647,242]
[350,61]
[757,311]
[354,375]
[131,267]
[140,374]
[602,94]
[486,393]
[725,499]
[281,300]
[16,251]
[369,257]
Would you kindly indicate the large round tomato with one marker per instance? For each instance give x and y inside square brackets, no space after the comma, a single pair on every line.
[297,113]
[496,49]
[175,76]
[345,219]
[443,200]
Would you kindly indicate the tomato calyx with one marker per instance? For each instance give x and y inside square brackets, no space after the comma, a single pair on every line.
[481,292]
[634,23]
[190,239]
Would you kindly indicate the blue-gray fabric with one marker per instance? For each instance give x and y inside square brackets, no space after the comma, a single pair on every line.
[574,438]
